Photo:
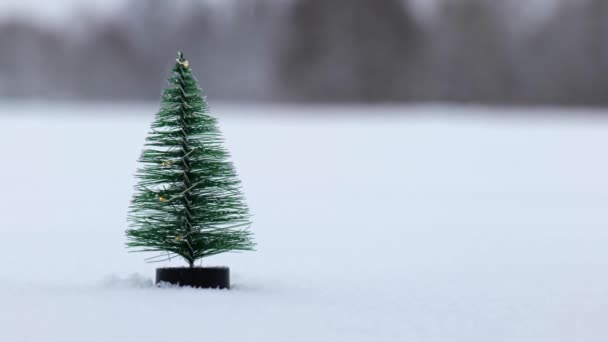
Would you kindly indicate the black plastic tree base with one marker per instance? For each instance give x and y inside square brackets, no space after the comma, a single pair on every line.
[203,277]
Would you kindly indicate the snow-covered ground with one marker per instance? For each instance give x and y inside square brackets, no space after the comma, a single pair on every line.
[373,224]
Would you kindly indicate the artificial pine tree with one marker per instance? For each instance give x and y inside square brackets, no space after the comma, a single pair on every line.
[188,201]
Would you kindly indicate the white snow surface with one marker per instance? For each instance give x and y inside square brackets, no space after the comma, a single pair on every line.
[373,223]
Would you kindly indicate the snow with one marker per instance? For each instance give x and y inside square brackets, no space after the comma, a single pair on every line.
[374,223]
[134,280]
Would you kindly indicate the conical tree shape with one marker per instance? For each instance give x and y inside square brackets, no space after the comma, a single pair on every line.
[187,201]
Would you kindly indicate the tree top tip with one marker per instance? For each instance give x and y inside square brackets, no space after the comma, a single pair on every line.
[181,60]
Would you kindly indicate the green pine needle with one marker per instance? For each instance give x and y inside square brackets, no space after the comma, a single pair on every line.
[188,200]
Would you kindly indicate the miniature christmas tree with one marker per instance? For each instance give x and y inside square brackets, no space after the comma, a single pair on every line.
[188,201]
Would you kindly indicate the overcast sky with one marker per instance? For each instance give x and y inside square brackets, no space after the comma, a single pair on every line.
[56,10]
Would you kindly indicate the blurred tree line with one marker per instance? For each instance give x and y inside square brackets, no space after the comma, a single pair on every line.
[481,51]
